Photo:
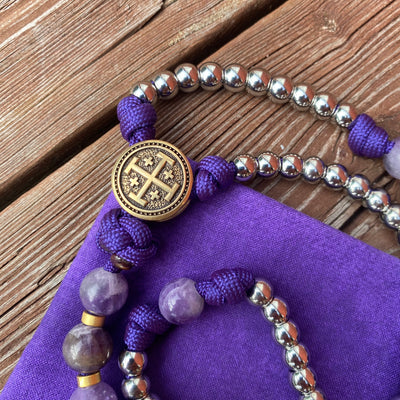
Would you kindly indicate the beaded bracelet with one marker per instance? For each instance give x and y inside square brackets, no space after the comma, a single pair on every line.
[182,301]
[153,180]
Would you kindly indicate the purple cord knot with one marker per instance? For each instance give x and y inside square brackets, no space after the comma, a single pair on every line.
[366,139]
[144,323]
[213,173]
[226,286]
[136,119]
[127,237]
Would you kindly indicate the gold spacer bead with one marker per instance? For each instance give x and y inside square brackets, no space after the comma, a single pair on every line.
[93,320]
[88,380]
[120,263]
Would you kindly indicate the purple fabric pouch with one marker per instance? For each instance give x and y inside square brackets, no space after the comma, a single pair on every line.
[343,295]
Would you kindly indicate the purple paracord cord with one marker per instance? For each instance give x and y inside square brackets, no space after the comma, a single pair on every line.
[366,139]
[145,322]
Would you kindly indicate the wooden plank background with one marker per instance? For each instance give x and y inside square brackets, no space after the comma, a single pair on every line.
[65,64]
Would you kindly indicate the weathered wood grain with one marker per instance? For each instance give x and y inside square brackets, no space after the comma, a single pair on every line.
[61,79]
[349,48]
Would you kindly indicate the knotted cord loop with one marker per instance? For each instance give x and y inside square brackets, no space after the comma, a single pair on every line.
[366,139]
[127,237]
[226,286]
[144,323]
[136,119]
[213,174]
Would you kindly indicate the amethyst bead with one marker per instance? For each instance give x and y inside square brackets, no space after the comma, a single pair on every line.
[86,348]
[100,391]
[179,301]
[392,160]
[103,292]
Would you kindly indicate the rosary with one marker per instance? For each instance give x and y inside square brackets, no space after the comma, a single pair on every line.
[154,181]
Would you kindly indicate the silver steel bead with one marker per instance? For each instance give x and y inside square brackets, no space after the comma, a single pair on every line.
[323,105]
[276,311]
[268,164]
[378,200]
[210,76]
[135,387]
[280,89]
[391,216]
[257,82]
[335,176]
[304,381]
[358,186]
[302,96]
[314,396]
[187,77]
[296,357]
[344,115]
[145,92]
[313,169]
[234,78]
[246,167]
[132,362]
[286,334]
[166,85]
[291,166]
[260,294]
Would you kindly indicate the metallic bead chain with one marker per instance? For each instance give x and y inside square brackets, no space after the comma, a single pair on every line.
[135,385]
[236,78]
[313,170]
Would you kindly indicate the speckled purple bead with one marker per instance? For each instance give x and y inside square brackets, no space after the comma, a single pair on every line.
[392,160]
[103,292]
[179,301]
[86,348]
[100,391]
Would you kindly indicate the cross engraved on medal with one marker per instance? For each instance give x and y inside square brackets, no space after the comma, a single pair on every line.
[152,180]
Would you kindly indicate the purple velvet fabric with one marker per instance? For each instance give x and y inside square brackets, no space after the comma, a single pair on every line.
[343,295]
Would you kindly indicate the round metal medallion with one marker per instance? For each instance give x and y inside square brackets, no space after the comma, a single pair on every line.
[152,180]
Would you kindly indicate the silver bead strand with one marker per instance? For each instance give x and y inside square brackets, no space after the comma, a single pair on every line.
[302,96]
[344,115]
[286,334]
[145,92]
[257,83]
[166,85]
[132,362]
[269,164]
[291,166]
[313,169]
[246,167]
[135,387]
[377,200]
[210,76]
[358,187]
[280,89]
[234,78]
[323,105]
[336,176]
[187,77]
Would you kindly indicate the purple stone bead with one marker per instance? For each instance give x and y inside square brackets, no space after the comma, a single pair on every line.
[392,160]
[100,391]
[396,397]
[103,292]
[86,348]
[179,301]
